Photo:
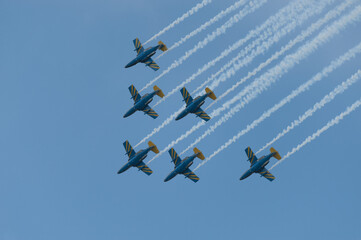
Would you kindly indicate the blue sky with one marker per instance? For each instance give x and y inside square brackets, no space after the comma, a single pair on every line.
[64,90]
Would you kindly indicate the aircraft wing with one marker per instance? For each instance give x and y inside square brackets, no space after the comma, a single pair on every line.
[189,174]
[143,167]
[128,148]
[150,112]
[251,156]
[186,96]
[265,173]
[135,95]
[150,63]
[200,113]
[175,158]
[138,46]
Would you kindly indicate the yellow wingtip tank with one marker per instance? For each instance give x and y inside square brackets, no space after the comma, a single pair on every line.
[277,155]
[199,153]
[160,92]
[163,46]
[211,95]
[153,147]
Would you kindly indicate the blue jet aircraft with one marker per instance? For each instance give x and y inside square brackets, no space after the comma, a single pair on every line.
[258,166]
[141,103]
[136,159]
[182,166]
[194,105]
[144,56]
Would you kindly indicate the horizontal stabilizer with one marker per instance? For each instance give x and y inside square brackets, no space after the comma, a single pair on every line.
[160,92]
[153,147]
[211,94]
[277,155]
[162,46]
[198,153]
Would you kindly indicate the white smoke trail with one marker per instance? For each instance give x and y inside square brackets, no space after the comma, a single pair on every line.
[278,18]
[157,129]
[331,123]
[190,12]
[262,83]
[283,16]
[326,99]
[304,34]
[249,8]
[204,26]
[270,26]
[277,106]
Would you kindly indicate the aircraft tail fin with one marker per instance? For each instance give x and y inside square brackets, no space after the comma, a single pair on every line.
[160,92]
[162,46]
[153,147]
[211,94]
[198,153]
[277,155]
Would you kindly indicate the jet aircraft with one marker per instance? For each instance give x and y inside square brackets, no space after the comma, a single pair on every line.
[141,103]
[194,105]
[258,165]
[144,56]
[136,159]
[182,166]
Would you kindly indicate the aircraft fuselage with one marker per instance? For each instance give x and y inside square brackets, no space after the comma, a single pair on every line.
[143,56]
[261,162]
[193,106]
[135,160]
[184,165]
[141,104]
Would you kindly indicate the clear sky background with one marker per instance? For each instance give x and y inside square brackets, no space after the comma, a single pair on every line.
[64,90]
